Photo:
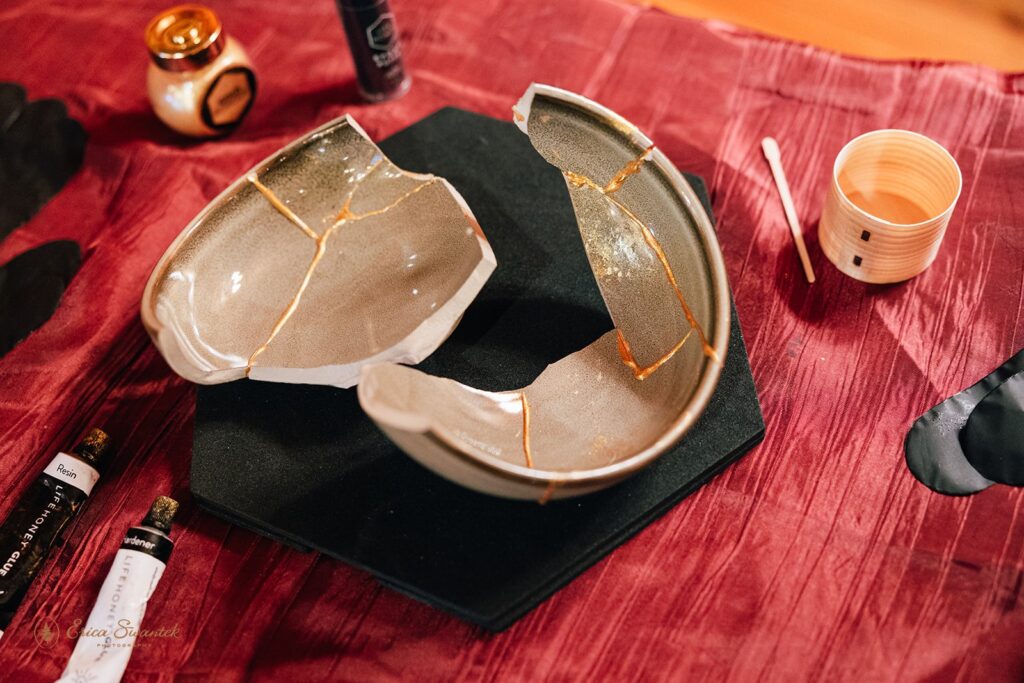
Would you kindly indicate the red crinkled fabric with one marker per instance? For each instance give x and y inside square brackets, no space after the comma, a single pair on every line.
[818,556]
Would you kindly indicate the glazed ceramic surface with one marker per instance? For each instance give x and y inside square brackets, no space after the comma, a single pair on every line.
[322,258]
[609,409]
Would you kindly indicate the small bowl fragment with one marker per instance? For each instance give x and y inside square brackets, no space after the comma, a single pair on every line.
[322,258]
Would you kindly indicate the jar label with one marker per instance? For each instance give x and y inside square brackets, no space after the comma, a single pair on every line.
[229,98]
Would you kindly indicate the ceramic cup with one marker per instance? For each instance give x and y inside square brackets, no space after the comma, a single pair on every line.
[888,205]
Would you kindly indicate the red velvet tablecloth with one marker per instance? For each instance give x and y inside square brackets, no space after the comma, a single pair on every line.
[818,556]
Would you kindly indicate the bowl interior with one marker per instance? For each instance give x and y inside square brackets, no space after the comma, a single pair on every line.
[613,406]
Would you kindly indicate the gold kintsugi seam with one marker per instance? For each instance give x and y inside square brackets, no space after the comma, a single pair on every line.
[526,429]
[625,352]
[281,207]
[344,216]
[629,169]
[321,248]
[346,212]
[352,218]
[549,491]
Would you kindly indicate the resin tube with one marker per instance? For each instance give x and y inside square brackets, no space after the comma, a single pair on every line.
[39,516]
[106,640]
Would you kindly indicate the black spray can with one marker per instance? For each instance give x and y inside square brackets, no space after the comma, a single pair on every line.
[376,50]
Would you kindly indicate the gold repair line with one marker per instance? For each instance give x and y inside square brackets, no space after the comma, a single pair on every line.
[346,210]
[321,248]
[376,212]
[579,180]
[548,492]
[526,429]
[641,374]
[629,169]
[280,206]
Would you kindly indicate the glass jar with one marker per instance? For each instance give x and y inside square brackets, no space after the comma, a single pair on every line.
[200,80]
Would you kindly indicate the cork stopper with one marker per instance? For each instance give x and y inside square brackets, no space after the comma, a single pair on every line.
[93,446]
[161,513]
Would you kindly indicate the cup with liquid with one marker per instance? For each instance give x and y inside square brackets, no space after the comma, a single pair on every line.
[888,206]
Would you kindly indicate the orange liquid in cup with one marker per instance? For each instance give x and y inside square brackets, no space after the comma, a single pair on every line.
[888,206]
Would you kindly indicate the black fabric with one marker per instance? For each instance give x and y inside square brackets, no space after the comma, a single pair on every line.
[304,465]
[994,436]
[933,448]
[40,149]
[31,285]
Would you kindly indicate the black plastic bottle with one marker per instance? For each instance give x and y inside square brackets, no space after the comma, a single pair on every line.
[376,50]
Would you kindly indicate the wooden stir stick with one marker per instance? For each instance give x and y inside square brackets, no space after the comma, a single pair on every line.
[771,152]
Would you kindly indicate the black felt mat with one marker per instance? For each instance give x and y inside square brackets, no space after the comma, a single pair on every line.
[304,465]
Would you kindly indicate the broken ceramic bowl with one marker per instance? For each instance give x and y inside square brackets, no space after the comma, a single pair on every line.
[606,411]
[324,257]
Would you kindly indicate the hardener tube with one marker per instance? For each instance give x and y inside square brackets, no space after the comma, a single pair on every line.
[106,641]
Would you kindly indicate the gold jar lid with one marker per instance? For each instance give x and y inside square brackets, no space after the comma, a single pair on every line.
[184,38]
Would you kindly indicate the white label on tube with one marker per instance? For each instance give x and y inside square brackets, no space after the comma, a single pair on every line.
[106,640]
[73,471]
